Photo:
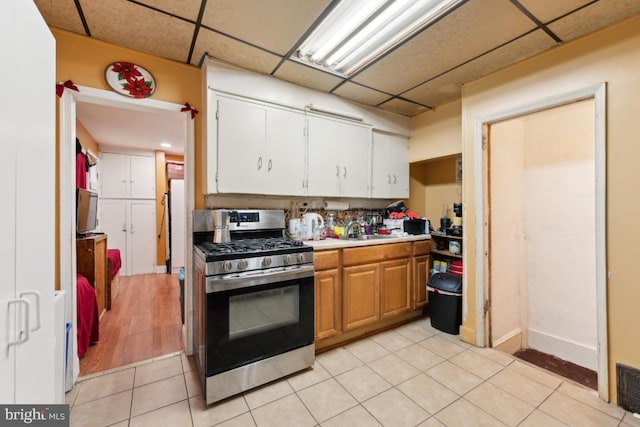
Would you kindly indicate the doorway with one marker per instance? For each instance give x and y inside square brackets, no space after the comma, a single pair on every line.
[542,214]
[68,109]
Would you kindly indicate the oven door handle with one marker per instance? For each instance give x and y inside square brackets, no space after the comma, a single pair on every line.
[240,281]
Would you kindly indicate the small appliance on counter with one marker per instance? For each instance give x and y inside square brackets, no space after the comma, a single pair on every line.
[456,227]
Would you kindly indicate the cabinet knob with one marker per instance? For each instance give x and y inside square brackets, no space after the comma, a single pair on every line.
[269,166]
[259,162]
[337,171]
[345,172]
[394,178]
[388,179]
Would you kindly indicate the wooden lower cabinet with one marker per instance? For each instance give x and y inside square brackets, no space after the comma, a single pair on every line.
[361,295]
[328,303]
[363,289]
[420,277]
[395,287]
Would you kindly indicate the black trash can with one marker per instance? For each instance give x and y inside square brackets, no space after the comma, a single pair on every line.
[445,302]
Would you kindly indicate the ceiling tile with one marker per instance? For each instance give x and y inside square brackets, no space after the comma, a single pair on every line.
[233,52]
[127,24]
[61,14]
[361,94]
[469,31]
[548,10]
[446,88]
[402,107]
[188,9]
[307,76]
[594,17]
[275,25]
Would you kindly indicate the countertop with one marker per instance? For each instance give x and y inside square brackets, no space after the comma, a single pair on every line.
[349,243]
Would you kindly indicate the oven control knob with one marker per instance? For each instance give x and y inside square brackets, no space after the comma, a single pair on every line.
[266,262]
[242,264]
[301,258]
[227,266]
[288,259]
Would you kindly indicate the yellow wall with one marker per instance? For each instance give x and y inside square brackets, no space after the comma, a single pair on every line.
[432,186]
[84,59]
[612,56]
[86,139]
[436,133]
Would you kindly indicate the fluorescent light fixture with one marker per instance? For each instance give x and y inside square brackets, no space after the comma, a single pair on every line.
[165,145]
[358,31]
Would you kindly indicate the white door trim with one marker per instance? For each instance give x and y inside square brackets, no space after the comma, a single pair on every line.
[67,248]
[598,94]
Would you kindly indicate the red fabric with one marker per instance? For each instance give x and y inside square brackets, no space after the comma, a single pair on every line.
[81,170]
[116,261]
[88,326]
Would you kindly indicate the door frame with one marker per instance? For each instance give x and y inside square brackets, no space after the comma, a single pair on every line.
[596,92]
[67,249]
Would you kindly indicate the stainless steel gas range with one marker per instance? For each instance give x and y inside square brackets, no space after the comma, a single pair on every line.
[253,302]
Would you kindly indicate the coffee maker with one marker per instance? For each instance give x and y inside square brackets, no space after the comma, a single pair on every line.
[221,218]
[456,227]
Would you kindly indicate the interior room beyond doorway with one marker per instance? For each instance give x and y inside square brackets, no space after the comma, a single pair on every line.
[542,234]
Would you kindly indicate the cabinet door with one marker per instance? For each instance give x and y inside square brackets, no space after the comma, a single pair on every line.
[390,166]
[114,177]
[361,297]
[356,166]
[394,287]
[141,241]
[241,146]
[143,177]
[285,166]
[420,278]
[325,157]
[328,311]
[113,222]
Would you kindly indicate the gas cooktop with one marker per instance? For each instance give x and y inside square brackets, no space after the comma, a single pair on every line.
[245,248]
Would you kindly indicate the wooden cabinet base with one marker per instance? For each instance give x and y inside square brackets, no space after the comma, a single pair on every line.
[362,332]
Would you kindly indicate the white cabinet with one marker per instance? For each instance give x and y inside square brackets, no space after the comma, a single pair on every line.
[390,166]
[338,160]
[131,227]
[28,244]
[127,176]
[260,148]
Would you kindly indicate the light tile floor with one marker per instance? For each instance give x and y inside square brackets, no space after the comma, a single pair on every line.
[413,375]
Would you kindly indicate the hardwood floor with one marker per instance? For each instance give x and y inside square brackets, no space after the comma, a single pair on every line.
[143,323]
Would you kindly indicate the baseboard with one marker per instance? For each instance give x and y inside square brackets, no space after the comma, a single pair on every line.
[564,349]
[510,343]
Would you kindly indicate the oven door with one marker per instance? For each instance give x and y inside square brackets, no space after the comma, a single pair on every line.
[256,316]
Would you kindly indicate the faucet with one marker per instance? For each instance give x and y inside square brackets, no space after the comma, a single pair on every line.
[348,233]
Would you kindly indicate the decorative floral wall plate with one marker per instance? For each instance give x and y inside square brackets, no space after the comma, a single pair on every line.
[130,80]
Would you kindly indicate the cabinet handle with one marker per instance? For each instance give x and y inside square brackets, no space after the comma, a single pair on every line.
[124,227]
[338,171]
[345,172]
[394,178]
[269,166]
[259,162]
[132,230]
[23,334]
[37,295]
[388,179]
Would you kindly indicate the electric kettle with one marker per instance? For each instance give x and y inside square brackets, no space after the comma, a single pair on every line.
[312,220]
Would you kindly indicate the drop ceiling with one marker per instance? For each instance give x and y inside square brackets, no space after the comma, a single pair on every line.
[474,39]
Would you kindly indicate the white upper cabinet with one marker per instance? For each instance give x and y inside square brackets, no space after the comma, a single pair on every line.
[390,166]
[260,148]
[125,176]
[338,159]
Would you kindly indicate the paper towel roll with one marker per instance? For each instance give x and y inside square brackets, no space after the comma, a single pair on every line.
[336,206]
